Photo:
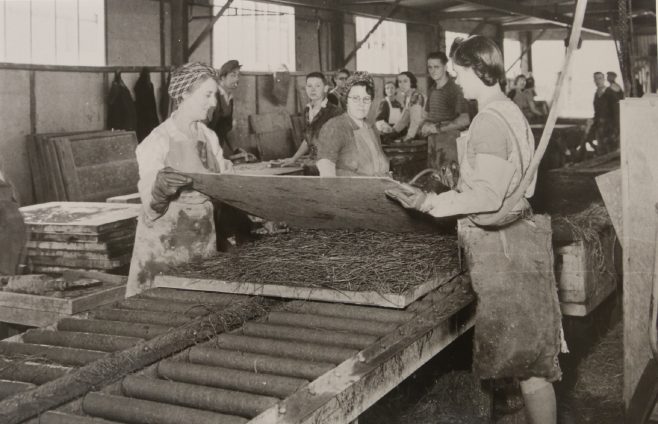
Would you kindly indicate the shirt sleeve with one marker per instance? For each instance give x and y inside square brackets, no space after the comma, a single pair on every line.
[382,111]
[488,135]
[333,137]
[461,105]
[151,154]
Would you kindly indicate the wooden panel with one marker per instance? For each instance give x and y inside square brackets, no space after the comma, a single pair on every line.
[639,164]
[264,168]
[30,317]
[79,217]
[126,198]
[386,300]
[312,202]
[103,148]
[68,306]
[99,182]
[275,144]
[610,187]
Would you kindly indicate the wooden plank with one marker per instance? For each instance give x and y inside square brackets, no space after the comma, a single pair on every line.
[312,202]
[585,308]
[113,245]
[79,254]
[610,187]
[60,305]
[342,394]
[79,217]
[264,168]
[372,298]
[80,262]
[125,198]
[69,237]
[62,147]
[639,188]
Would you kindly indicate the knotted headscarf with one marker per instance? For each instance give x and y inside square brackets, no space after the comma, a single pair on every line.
[361,78]
[186,75]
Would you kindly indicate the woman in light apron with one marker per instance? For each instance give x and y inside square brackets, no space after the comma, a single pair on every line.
[518,321]
[347,145]
[389,111]
[176,223]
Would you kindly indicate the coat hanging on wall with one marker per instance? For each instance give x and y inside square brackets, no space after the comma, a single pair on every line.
[121,113]
[147,113]
[281,85]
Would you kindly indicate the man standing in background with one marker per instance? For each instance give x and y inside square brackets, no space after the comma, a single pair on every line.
[221,120]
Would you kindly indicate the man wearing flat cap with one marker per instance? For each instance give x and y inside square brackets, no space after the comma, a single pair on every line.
[221,120]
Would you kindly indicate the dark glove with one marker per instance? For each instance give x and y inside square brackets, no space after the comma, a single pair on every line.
[167,183]
[408,196]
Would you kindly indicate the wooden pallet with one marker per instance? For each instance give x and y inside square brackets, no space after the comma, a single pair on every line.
[386,300]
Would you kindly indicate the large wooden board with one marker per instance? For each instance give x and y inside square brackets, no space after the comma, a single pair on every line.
[639,188]
[386,300]
[610,187]
[80,217]
[72,305]
[316,203]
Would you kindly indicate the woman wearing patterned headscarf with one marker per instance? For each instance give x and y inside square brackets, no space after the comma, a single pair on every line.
[347,145]
[176,222]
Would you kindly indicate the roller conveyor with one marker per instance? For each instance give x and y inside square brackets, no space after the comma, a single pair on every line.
[295,362]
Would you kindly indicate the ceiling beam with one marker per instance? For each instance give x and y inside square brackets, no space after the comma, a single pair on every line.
[540,13]
[472,14]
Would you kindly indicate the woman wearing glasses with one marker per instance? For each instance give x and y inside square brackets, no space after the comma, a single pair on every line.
[347,145]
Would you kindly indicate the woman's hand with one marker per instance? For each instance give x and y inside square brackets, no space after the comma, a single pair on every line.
[408,196]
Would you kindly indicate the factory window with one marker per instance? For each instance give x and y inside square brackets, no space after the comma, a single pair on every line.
[512,54]
[450,37]
[385,51]
[55,32]
[261,36]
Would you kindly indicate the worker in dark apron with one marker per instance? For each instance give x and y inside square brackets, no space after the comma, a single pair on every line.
[518,329]
[176,223]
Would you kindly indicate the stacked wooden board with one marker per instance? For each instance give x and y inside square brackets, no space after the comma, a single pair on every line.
[83,235]
[83,166]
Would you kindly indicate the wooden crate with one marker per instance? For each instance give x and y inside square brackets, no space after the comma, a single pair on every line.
[584,280]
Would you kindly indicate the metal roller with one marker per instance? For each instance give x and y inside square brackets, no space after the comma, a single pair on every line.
[146,317]
[196,396]
[30,373]
[56,417]
[9,388]
[258,363]
[137,411]
[350,311]
[163,305]
[224,378]
[283,348]
[120,328]
[91,341]
[191,296]
[60,355]
[331,323]
[328,337]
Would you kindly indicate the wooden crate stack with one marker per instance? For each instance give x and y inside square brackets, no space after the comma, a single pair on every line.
[80,235]
[83,166]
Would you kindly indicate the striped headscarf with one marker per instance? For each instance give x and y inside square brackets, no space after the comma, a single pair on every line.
[186,75]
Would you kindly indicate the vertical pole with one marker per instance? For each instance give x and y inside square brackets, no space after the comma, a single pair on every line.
[337,40]
[179,30]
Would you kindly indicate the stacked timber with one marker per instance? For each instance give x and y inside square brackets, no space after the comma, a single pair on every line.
[83,166]
[80,235]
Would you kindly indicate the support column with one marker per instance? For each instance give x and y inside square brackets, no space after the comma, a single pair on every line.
[528,55]
[337,40]
[179,32]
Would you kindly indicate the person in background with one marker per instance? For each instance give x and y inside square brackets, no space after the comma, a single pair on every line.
[445,108]
[524,99]
[603,127]
[176,222]
[316,113]
[413,103]
[221,117]
[614,87]
[347,145]
[337,95]
[509,257]
[389,110]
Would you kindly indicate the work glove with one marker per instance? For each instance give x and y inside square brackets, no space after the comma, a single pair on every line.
[166,185]
[408,196]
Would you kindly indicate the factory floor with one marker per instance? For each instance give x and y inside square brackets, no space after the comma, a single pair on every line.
[445,392]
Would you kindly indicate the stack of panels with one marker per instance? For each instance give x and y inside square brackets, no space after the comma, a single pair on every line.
[87,166]
[66,235]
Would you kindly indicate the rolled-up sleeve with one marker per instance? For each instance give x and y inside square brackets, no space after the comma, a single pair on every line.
[151,154]
[333,137]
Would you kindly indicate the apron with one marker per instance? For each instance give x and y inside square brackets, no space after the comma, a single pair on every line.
[368,158]
[186,232]
[518,319]
[394,113]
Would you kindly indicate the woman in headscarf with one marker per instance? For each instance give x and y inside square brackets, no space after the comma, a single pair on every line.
[347,145]
[509,254]
[176,222]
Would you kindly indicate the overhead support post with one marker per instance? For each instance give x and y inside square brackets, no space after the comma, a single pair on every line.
[208,29]
[337,32]
[179,31]
[382,18]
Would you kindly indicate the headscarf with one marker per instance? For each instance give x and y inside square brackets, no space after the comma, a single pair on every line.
[183,77]
[361,77]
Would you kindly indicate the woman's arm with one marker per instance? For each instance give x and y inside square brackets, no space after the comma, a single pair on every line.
[331,141]
[326,167]
[151,154]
